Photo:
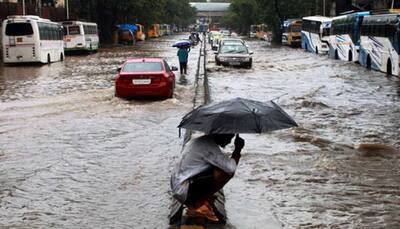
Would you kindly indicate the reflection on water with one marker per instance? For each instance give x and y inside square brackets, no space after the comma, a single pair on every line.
[74,156]
[340,168]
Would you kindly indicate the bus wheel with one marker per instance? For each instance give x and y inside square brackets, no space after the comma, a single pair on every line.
[350,56]
[48,59]
[336,55]
[316,50]
[389,68]
[368,62]
[61,57]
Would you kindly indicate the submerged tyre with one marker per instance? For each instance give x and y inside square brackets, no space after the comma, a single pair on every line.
[389,68]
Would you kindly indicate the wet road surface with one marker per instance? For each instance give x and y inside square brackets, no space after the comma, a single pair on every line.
[74,156]
[340,168]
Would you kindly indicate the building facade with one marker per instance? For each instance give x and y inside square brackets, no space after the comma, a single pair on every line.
[209,12]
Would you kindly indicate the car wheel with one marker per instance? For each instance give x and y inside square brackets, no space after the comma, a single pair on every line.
[250,64]
[218,63]
[172,89]
[368,62]
[389,68]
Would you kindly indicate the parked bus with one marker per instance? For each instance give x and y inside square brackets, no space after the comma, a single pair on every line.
[154,31]
[140,34]
[379,46]
[164,30]
[80,36]
[315,31]
[169,29]
[253,31]
[344,40]
[31,39]
[262,32]
[291,32]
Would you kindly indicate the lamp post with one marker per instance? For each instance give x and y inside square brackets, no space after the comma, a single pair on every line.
[67,7]
[23,7]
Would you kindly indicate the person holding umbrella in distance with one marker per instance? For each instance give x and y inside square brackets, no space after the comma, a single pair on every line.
[183,55]
[203,169]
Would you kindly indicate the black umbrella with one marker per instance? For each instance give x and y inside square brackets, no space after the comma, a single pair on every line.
[237,116]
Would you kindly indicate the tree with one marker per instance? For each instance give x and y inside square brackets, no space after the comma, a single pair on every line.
[276,11]
[243,13]
[108,13]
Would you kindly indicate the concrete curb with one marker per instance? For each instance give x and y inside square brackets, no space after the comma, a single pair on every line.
[202,91]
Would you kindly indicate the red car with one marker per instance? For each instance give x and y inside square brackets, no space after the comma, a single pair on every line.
[142,77]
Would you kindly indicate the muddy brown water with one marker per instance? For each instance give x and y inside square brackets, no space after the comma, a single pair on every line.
[74,156]
[340,168]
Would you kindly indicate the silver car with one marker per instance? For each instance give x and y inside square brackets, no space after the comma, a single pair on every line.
[234,55]
[232,41]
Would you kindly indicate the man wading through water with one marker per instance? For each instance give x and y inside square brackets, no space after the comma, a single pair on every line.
[183,54]
[203,171]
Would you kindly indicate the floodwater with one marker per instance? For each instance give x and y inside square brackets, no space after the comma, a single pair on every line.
[74,156]
[340,168]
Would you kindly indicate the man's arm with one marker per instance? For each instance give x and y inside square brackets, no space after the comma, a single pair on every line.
[239,144]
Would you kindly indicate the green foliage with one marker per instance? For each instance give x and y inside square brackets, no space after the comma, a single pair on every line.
[108,13]
[244,13]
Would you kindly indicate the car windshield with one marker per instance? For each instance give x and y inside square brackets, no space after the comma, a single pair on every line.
[19,29]
[233,49]
[143,67]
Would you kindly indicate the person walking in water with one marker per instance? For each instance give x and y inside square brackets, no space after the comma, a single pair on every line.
[183,54]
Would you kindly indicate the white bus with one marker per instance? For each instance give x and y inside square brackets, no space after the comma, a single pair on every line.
[31,39]
[379,46]
[344,40]
[315,32]
[252,33]
[80,36]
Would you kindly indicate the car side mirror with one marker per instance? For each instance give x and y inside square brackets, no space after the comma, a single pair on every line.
[173,68]
[215,52]
[119,69]
[251,52]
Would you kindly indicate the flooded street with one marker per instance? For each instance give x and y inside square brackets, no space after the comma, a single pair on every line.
[74,156]
[340,168]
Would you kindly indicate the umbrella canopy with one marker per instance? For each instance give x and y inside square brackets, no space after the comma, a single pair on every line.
[237,116]
[182,44]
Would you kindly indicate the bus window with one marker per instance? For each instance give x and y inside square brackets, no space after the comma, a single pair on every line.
[19,29]
[74,30]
